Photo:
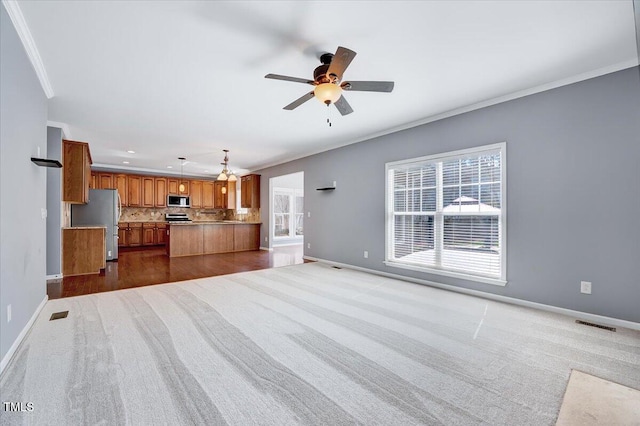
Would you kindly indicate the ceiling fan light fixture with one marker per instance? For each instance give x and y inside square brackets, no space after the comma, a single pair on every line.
[327,93]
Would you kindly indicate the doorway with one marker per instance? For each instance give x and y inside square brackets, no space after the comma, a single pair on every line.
[287,209]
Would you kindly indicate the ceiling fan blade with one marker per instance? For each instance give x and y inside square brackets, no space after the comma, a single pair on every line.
[340,61]
[343,106]
[368,86]
[299,101]
[287,78]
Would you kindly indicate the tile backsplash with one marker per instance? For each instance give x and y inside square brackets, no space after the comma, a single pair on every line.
[140,214]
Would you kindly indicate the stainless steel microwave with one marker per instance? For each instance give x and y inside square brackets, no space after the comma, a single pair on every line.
[178,201]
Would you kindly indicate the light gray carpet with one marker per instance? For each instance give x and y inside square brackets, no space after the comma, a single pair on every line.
[305,344]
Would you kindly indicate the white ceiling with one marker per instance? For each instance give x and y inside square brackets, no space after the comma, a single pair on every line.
[180,78]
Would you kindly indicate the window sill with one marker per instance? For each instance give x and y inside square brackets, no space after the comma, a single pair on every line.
[477,278]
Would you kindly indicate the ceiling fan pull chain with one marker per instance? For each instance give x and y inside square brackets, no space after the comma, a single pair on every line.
[329,114]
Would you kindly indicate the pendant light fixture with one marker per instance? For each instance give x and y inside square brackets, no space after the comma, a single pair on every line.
[181,187]
[226,174]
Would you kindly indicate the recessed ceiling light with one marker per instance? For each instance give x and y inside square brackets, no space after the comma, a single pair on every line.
[131,152]
[125,162]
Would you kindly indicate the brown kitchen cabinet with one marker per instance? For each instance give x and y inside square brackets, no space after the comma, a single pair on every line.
[208,194]
[130,234]
[224,199]
[123,234]
[173,186]
[105,181]
[94,181]
[148,234]
[160,186]
[250,191]
[134,190]
[120,183]
[148,191]
[161,233]
[195,194]
[83,250]
[135,234]
[76,172]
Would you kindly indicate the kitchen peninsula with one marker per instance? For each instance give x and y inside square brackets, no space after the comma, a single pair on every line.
[197,238]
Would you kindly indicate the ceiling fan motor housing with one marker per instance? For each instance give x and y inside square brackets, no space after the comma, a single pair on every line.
[320,74]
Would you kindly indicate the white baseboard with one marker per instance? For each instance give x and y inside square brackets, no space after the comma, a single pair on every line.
[266,248]
[12,350]
[599,319]
[54,277]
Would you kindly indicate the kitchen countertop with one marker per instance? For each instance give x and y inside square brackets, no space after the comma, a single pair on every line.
[85,227]
[216,222]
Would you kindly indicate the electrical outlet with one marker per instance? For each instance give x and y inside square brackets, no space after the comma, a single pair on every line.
[308,245]
[366,254]
[266,239]
[109,253]
[585,287]
[334,184]
[43,213]
[308,214]
[9,313]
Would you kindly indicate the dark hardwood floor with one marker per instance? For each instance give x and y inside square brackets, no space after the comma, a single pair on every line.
[137,267]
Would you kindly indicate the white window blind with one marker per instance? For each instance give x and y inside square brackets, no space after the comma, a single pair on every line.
[445,214]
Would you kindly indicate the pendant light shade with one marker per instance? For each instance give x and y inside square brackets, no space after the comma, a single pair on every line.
[181,187]
[226,174]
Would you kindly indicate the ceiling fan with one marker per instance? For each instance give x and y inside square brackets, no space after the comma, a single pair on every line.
[327,79]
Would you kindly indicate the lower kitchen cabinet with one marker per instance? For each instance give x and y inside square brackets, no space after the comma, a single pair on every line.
[148,234]
[161,233]
[133,234]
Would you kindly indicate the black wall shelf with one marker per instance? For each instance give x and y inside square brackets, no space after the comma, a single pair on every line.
[43,162]
[329,188]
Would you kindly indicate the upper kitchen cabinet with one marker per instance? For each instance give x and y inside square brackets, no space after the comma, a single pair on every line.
[120,183]
[161,192]
[224,195]
[173,186]
[134,191]
[250,191]
[208,194]
[105,181]
[76,172]
[148,191]
[195,193]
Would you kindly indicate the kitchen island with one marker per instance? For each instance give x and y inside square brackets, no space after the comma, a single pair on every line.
[196,238]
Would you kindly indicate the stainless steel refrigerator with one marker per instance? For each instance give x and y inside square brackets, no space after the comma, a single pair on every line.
[103,209]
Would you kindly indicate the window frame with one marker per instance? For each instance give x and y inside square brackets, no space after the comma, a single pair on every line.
[500,147]
[292,193]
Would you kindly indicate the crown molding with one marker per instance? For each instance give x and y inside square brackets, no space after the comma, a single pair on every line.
[66,133]
[13,9]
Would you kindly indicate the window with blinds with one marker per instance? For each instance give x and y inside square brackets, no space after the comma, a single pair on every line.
[446,215]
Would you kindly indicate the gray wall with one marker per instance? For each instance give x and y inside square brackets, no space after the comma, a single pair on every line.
[573,193]
[23,124]
[54,203]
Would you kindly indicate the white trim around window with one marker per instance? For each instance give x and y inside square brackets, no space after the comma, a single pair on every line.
[446,214]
